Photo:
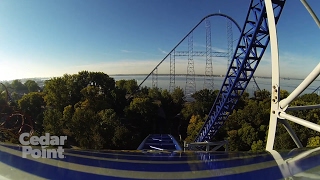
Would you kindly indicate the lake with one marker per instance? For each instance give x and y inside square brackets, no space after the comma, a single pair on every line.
[264,83]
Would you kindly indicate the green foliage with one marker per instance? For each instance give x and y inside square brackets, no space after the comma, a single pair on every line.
[56,92]
[85,126]
[283,94]
[261,95]
[258,146]
[283,140]
[130,86]
[142,115]
[313,142]
[33,105]
[195,124]
[177,95]
[66,90]
[32,86]
[201,106]
[118,100]
[52,121]
[155,93]
[234,141]
[95,112]
[121,137]
[248,135]
[205,95]
[203,101]
[18,86]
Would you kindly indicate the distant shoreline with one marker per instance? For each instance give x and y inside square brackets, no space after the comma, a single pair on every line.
[197,75]
[202,75]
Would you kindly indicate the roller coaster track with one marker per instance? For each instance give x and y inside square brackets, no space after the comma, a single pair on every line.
[249,51]
[8,96]
[185,37]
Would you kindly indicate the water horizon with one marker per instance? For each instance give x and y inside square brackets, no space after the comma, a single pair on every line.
[287,84]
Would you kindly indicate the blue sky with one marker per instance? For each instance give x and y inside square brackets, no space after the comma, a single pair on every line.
[43,38]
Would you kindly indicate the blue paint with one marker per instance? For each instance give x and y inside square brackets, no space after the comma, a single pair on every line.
[206,161]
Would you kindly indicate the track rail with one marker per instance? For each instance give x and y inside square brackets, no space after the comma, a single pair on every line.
[173,49]
[250,49]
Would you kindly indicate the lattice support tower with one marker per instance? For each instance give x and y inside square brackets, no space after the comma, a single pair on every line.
[251,46]
[190,79]
[190,54]
[230,41]
[201,53]
[208,76]
[172,85]
[155,78]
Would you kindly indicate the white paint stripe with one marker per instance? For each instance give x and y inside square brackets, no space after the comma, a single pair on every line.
[156,162]
[191,154]
[9,172]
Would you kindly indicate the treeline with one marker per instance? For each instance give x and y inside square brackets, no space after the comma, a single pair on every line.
[247,127]
[17,89]
[97,112]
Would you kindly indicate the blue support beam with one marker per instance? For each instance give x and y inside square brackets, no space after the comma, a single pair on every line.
[250,49]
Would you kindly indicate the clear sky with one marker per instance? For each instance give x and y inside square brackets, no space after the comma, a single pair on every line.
[45,38]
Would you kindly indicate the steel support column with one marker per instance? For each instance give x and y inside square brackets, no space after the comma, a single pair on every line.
[208,75]
[230,41]
[172,85]
[190,79]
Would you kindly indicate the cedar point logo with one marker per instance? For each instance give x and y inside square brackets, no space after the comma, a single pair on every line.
[44,141]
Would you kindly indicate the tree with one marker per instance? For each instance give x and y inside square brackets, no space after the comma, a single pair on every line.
[310,98]
[32,86]
[195,124]
[258,146]
[122,137]
[283,140]
[283,94]
[204,101]
[119,101]
[129,85]
[142,115]
[57,94]
[66,90]
[93,99]
[85,126]
[177,95]
[206,95]
[53,122]
[18,86]
[233,140]
[115,133]
[313,141]
[248,135]
[262,95]
[155,93]
[33,105]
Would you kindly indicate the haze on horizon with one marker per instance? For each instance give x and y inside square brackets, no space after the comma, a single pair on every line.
[52,38]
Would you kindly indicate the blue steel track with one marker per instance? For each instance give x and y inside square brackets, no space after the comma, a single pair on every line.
[250,49]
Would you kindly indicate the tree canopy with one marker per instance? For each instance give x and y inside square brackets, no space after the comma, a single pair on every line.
[97,112]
